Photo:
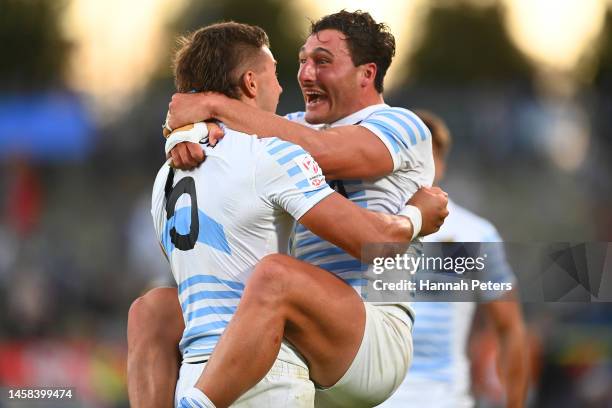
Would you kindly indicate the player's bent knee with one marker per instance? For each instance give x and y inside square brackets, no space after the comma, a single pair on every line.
[155,315]
[269,279]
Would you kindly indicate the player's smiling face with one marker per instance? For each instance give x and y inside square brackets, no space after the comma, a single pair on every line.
[328,78]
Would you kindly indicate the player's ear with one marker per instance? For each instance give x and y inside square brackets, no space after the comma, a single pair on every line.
[248,84]
[368,74]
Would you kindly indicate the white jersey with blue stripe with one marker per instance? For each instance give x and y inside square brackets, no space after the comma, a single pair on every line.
[440,371]
[217,221]
[409,143]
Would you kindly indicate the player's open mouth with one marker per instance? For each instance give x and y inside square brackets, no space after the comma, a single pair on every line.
[314,98]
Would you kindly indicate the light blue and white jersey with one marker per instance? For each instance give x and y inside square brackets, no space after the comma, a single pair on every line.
[409,143]
[440,371]
[217,221]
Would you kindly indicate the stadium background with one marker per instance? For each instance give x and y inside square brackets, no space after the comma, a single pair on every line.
[525,86]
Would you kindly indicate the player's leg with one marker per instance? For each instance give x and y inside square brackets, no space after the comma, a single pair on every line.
[322,316]
[155,326]
[285,385]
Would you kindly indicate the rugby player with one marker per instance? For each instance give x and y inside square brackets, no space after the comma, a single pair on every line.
[440,371]
[385,154]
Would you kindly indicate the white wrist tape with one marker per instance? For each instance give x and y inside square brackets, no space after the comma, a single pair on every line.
[415,217]
[195,133]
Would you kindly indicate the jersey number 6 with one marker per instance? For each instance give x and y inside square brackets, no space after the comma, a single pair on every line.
[185,186]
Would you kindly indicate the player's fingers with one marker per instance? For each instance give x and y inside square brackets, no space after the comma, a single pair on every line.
[187,161]
[215,133]
[176,160]
[178,157]
[196,152]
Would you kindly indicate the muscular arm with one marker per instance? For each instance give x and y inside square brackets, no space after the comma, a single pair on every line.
[341,222]
[344,152]
[508,323]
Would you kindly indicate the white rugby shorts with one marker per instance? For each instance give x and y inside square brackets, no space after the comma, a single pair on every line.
[285,385]
[380,365]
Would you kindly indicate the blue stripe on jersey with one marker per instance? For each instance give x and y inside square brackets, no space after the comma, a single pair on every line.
[293,171]
[414,119]
[300,228]
[418,364]
[434,318]
[356,194]
[183,403]
[206,341]
[275,141]
[290,156]
[356,282]
[280,147]
[387,132]
[210,294]
[395,118]
[199,346]
[433,331]
[208,279]
[309,194]
[309,256]
[209,310]
[294,115]
[196,331]
[338,266]
[199,351]
[302,184]
[210,232]
[196,403]
[308,241]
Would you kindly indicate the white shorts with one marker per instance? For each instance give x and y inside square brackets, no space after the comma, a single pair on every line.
[285,385]
[380,365]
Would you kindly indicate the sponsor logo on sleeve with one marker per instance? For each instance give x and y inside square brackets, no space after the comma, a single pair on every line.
[310,168]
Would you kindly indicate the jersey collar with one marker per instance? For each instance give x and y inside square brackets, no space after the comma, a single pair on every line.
[360,115]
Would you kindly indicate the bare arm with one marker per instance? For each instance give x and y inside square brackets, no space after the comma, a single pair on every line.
[341,222]
[347,152]
[510,328]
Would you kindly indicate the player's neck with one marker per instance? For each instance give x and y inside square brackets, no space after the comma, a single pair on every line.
[364,102]
[368,99]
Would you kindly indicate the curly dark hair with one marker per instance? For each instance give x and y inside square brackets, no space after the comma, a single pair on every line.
[368,41]
[215,57]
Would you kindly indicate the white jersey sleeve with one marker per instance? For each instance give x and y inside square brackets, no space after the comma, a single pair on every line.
[407,139]
[288,177]
[157,204]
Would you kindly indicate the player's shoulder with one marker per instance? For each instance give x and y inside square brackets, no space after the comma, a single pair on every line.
[279,157]
[403,125]
[479,228]
[234,144]
[277,150]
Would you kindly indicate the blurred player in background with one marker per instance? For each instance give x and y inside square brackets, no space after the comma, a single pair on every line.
[388,139]
[440,373]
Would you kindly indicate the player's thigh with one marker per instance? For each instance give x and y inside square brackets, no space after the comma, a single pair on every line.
[325,316]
